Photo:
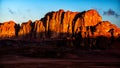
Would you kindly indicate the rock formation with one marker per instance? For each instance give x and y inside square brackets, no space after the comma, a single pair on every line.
[105,28]
[38,30]
[25,29]
[61,24]
[7,29]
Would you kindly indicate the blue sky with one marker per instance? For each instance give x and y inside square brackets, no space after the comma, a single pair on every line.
[24,10]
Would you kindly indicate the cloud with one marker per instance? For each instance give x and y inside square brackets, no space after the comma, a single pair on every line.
[111,12]
[10,11]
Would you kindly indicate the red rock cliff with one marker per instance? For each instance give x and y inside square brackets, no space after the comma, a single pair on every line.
[7,29]
[62,24]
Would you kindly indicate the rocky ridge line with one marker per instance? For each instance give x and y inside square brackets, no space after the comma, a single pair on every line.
[61,24]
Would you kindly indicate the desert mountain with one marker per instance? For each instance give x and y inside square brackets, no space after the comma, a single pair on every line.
[61,24]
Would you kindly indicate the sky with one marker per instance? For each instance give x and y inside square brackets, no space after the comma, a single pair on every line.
[24,10]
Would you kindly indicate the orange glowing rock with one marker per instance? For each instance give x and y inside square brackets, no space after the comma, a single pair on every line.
[92,17]
[39,29]
[104,27]
[25,29]
[7,29]
[62,24]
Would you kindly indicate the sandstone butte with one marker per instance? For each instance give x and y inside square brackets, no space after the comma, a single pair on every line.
[61,24]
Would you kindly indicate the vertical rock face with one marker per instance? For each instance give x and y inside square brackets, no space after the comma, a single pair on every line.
[7,29]
[69,23]
[85,21]
[91,18]
[61,24]
[25,29]
[39,29]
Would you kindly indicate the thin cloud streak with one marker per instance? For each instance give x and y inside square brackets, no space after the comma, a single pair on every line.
[11,11]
